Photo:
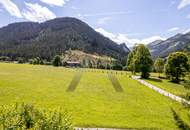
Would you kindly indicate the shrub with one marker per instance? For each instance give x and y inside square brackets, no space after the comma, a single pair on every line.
[108,66]
[41,62]
[20,60]
[101,66]
[4,58]
[30,61]
[26,117]
[56,61]
[37,61]
[34,61]
[125,68]
[117,66]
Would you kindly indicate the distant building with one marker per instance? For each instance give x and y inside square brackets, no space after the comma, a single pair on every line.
[73,64]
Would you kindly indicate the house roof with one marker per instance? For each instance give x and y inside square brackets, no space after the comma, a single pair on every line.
[72,62]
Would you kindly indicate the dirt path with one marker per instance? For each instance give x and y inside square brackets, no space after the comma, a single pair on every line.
[117,86]
[77,128]
[101,129]
[161,91]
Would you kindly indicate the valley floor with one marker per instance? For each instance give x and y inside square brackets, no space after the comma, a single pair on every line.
[94,102]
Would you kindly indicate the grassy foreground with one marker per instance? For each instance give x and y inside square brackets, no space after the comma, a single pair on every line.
[94,103]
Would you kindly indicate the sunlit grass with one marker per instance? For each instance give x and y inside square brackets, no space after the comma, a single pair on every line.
[177,89]
[94,102]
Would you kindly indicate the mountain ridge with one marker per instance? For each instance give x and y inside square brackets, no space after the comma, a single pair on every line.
[178,42]
[47,39]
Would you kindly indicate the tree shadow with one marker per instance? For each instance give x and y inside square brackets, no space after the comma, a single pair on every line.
[75,81]
[174,82]
[117,86]
[179,122]
[155,79]
[161,77]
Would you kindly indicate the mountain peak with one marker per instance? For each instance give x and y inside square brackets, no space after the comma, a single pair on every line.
[124,47]
[30,39]
[163,48]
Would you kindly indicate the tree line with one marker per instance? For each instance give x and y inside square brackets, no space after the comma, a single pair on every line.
[58,60]
[175,67]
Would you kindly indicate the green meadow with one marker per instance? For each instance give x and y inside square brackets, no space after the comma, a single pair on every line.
[175,88]
[93,101]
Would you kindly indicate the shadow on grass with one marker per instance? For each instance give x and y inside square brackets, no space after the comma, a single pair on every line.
[115,83]
[162,77]
[179,122]
[75,82]
[155,79]
[174,82]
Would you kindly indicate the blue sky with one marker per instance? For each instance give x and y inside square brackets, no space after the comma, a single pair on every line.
[128,21]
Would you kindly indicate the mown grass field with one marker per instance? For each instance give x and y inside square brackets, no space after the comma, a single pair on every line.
[94,102]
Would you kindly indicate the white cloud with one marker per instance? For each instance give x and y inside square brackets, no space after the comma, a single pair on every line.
[173,29]
[11,8]
[152,39]
[186,31]
[37,13]
[183,4]
[107,34]
[123,38]
[104,20]
[55,2]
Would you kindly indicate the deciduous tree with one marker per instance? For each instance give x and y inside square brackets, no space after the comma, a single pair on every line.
[176,66]
[144,61]
[140,60]
[159,65]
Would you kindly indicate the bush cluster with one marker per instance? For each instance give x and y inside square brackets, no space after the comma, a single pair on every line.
[27,117]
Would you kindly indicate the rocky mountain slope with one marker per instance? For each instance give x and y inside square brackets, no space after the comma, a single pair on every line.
[161,48]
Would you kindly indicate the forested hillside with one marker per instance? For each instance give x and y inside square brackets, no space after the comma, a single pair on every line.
[54,37]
